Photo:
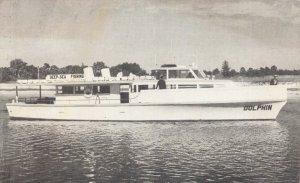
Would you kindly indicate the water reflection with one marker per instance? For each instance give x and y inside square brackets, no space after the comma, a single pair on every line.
[40,151]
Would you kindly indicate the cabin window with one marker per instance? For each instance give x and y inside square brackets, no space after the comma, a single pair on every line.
[143,87]
[134,88]
[101,89]
[59,89]
[186,86]
[171,86]
[124,88]
[158,73]
[172,74]
[180,74]
[206,86]
[96,89]
[64,90]
[105,89]
[79,89]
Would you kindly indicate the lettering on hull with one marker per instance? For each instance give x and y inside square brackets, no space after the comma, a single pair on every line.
[258,108]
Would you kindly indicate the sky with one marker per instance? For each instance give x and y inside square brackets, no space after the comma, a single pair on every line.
[249,33]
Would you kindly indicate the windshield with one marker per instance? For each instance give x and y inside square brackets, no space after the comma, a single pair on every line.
[180,74]
[158,73]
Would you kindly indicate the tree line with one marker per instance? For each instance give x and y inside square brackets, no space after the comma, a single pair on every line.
[19,69]
[227,72]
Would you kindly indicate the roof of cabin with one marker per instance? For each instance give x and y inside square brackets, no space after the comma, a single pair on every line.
[175,67]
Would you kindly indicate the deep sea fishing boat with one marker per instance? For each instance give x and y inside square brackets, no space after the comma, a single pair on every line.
[189,96]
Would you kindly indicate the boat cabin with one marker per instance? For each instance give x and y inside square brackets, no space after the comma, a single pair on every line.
[88,89]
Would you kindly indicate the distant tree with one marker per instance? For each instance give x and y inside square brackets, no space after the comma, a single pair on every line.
[281,72]
[6,74]
[267,71]
[243,71]
[44,71]
[127,68]
[97,66]
[46,66]
[225,69]
[232,72]
[17,65]
[72,69]
[273,69]
[262,71]
[29,72]
[207,72]
[1,74]
[54,70]
[250,72]
[216,71]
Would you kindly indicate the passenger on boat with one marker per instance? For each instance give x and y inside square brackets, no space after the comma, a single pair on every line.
[161,84]
[274,81]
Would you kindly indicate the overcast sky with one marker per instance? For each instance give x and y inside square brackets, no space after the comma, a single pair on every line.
[250,33]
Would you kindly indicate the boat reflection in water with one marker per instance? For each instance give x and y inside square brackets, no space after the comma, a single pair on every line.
[189,96]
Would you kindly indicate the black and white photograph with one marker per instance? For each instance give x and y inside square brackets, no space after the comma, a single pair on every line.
[165,91]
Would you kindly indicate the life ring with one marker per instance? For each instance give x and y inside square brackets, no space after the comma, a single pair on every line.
[88,92]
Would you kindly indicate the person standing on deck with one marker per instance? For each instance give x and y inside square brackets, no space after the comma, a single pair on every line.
[161,84]
[274,81]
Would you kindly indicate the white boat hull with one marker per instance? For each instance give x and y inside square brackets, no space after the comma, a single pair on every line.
[148,112]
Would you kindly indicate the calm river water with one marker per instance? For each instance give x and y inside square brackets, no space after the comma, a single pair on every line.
[239,151]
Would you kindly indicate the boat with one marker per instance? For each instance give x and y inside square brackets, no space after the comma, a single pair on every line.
[190,95]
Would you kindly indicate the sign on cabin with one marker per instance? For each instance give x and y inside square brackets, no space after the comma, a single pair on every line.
[64,77]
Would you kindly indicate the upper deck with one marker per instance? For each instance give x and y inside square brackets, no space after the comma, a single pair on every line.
[174,75]
[83,88]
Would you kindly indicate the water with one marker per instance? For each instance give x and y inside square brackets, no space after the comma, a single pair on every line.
[246,151]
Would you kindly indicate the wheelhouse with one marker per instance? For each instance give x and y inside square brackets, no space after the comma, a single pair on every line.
[172,71]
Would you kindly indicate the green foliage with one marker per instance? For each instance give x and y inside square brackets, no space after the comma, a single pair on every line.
[225,69]
[54,70]
[243,71]
[21,70]
[17,66]
[127,68]
[72,69]
[251,72]
[232,72]
[97,66]
[273,69]
[216,71]
[29,72]
[6,74]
